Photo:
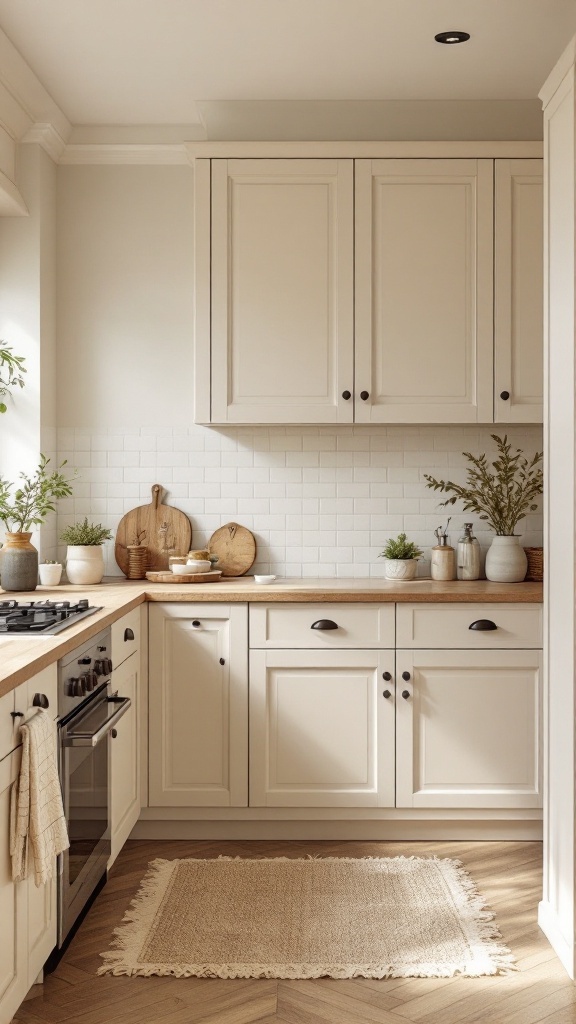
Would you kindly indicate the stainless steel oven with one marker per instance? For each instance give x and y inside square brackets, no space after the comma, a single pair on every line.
[88,710]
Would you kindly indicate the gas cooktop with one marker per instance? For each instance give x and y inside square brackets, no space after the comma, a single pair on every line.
[45,618]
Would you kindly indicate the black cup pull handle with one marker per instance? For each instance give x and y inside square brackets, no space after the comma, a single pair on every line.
[324,624]
[483,624]
[128,634]
[40,700]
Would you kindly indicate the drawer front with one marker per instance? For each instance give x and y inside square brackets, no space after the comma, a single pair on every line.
[448,625]
[291,625]
[126,636]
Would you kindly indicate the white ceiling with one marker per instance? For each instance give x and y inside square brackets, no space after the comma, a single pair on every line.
[121,62]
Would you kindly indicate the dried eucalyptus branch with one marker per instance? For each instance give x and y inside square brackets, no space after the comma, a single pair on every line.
[501,498]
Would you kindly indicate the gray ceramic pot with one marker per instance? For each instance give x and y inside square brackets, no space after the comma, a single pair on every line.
[18,563]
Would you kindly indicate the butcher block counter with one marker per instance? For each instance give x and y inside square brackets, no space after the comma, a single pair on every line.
[21,657]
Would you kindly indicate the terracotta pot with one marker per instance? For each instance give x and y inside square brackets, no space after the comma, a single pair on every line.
[84,563]
[19,563]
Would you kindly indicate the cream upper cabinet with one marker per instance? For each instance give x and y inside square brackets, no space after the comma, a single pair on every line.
[518,291]
[423,291]
[282,291]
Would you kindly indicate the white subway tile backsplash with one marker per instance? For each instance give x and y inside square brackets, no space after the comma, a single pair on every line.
[320,500]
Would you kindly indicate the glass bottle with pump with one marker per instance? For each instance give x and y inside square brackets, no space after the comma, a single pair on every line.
[468,555]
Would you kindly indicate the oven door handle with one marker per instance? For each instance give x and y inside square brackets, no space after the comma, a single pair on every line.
[92,739]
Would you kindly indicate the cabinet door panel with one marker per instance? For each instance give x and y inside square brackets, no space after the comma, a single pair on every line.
[198,706]
[321,732]
[125,759]
[469,732]
[13,934]
[423,286]
[282,281]
[518,291]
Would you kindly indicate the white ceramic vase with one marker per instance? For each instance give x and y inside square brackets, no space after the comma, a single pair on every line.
[50,573]
[84,563]
[400,568]
[506,560]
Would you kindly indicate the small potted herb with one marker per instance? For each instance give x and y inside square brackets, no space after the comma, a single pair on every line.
[401,557]
[84,555]
[50,572]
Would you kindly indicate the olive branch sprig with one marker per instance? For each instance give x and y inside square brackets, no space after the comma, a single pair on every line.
[503,497]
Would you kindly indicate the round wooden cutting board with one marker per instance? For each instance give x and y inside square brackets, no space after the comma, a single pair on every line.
[164,530]
[235,547]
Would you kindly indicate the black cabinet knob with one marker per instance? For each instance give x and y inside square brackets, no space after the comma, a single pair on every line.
[128,634]
[483,624]
[113,733]
[222,662]
[386,676]
[504,395]
[364,395]
[347,395]
[196,623]
[386,694]
[324,624]
[406,677]
[406,694]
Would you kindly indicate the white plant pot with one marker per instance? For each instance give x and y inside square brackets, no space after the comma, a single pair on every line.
[84,563]
[400,568]
[506,560]
[50,573]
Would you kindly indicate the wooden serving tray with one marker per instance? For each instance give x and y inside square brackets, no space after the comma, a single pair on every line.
[212,576]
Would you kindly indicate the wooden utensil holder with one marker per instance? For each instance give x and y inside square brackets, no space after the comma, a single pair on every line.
[137,561]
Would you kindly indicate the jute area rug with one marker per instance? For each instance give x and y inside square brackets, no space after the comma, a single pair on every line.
[336,917]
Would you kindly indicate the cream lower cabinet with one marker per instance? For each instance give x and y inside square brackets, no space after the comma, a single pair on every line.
[198,705]
[125,752]
[468,728]
[321,730]
[27,911]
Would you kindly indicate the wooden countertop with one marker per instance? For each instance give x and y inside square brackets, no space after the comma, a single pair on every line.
[21,657]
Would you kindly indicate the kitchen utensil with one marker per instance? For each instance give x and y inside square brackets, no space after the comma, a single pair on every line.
[194,577]
[162,529]
[235,547]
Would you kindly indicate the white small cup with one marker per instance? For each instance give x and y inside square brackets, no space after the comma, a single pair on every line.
[198,565]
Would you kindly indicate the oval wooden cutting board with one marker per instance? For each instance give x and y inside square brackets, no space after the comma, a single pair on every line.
[235,547]
[164,530]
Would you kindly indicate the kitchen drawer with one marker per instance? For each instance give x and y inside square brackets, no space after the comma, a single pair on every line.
[290,625]
[126,636]
[448,625]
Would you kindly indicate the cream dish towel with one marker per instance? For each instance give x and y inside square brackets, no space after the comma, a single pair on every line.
[36,813]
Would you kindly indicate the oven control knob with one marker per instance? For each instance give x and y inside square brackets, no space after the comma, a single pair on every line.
[70,687]
[78,688]
[84,681]
[108,665]
[99,667]
[91,681]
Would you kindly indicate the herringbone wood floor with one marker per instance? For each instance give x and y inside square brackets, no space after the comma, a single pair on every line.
[509,875]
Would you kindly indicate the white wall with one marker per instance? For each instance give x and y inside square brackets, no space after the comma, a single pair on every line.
[322,501]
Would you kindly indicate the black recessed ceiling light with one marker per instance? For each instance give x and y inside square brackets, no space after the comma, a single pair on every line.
[452,37]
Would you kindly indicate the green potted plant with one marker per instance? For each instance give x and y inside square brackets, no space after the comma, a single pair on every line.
[401,557]
[22,506]
[84,555]
[11,370]
[501,493]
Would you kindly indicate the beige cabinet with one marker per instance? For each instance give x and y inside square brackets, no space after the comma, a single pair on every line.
[518,291]
[282,291]
[321,730]
[27,912]
[125,758]
[423,291]
[468,728]
[340,290]
[198,705]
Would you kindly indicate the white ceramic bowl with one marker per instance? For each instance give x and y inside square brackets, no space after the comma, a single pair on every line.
[198,565]
[182,570]
[264,579]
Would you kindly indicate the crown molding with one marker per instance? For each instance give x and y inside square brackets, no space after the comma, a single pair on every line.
[128,153]
[46,136]
[564,64]
[24,101]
